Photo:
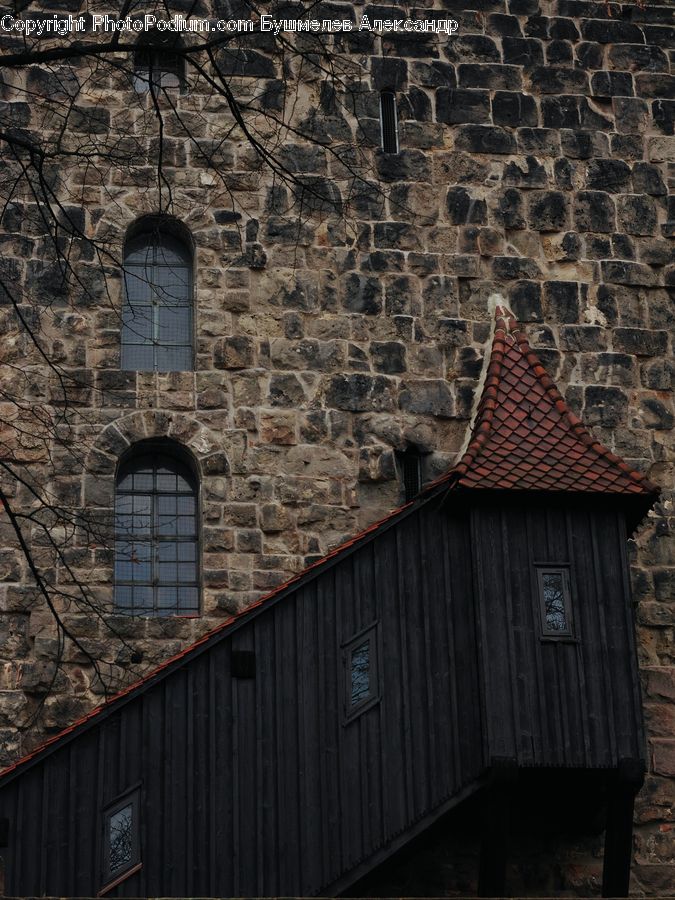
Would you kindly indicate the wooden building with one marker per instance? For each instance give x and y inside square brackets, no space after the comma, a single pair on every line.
[478,634]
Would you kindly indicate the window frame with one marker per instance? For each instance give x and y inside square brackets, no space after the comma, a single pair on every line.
[393,111]
[371,634]
[153,449]
[109,879]
[555,569]
[152,237]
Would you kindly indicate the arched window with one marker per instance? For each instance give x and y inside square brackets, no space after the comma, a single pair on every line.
[157,311]
[158,62]
[156,534]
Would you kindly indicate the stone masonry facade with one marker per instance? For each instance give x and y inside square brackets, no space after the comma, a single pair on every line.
[338,327]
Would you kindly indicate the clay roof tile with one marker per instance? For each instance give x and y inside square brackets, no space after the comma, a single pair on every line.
[526,437]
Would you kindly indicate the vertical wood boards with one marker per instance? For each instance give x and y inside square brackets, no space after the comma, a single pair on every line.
[266,786]
[568,701]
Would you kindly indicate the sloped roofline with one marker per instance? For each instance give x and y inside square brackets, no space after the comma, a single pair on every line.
[507,329]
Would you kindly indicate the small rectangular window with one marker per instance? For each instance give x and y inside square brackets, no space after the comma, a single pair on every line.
[388,122]
[410,463]
[555,602]
[121,841]
[361,675]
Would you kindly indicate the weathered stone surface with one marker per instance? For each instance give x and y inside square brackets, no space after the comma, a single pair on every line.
[535,163]
[433,397]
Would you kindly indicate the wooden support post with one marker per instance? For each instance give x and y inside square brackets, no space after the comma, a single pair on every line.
[623,787]
[494,851]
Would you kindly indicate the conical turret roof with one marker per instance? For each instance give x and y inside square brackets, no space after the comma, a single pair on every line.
[525,437]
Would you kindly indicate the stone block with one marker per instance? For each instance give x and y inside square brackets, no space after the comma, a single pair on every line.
[647,179]
[547,211]
[655,85]
[553,80]
[474,47]
[605,406]
[507,208]
[530,174]
[539,141]
[514,267]
[611,31]
[514,109]
[594,211]
[430,397]
[525,301]
[583,338]
[611,175]
[640,341]
[663,756]
[362,294]
[559,53]
[628,273]
[388,73]
[234,352]
[523,51]
[612,84]
[491,76]
[484,139]
[455,106]
[631,114]
[561,300]
[561,112]
[636,214]
[663,114]
[360,393]
[589,55]
[638,58]
[389,357]
[463,208]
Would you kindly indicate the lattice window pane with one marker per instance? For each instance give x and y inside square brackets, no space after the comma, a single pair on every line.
[158,574]
[157,312]
[360,672]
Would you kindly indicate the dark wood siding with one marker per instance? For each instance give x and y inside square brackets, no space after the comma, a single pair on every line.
[260,786]
[557,702]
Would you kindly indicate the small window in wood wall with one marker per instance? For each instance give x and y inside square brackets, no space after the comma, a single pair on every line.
[121,840]
[361,672]
[555,601]
[388,122]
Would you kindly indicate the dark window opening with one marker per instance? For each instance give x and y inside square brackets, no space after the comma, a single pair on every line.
[121,837]
[156,537]
[555,602]
[388,122]
[361,675]
[158,64]
[157,311]
[410,465]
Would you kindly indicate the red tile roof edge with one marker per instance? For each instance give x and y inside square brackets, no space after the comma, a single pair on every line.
[508,329]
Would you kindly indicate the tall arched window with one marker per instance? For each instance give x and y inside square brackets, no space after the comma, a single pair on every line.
[157,312]
[156,534]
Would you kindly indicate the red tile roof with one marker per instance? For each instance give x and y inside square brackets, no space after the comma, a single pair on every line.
[525,436]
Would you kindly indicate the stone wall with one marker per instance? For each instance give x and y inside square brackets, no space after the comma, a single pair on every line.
[339,326]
